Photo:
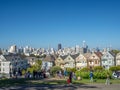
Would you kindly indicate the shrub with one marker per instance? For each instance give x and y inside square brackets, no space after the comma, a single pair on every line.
[98,68]
[114,68]
[23,72]
[54,70]
[82,74]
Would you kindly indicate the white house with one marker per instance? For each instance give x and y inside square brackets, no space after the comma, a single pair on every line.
[12,62]
[108,60]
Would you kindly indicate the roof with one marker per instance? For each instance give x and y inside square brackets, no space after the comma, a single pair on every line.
[49,58]
[87,55]
[11,56]
[63,57]
[74,56]
[99,54]
[112,53]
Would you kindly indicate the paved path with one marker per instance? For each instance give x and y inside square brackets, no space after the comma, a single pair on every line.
[65,87]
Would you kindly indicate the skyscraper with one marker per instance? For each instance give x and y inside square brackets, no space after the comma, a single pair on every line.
[13,49]
[59,46]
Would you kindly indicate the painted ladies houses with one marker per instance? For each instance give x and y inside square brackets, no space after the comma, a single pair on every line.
[48,62]
[32,60]
[70,61]
[81,61]
[94,59]
[118,59]
[108,60]
[60,61]
[12,63]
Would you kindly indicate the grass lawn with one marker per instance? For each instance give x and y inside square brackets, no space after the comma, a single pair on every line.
[14,82]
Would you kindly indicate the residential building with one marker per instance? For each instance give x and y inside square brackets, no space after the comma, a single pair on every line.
[70,61]
[118,59]
[48,62]
[108,60]
[12,62]
[60,61]
[94,59]
[81,61]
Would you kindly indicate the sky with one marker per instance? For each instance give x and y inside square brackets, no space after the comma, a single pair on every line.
[43,23]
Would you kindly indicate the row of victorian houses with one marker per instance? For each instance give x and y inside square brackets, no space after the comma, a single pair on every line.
[89,60]
[11,62]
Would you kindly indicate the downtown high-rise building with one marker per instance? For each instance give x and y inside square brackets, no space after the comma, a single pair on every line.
[59,46]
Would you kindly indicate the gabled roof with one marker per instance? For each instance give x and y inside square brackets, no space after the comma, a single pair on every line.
[112,53]
[10,56]
[74,56]
[87,55]
[63,57]
[49,58]
[99,54]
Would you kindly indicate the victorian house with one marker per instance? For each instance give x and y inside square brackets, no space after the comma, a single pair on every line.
[60,61]
[118,59]
[48,62]
[108,60]
[12,63]
[70,61]
[94,59]
[81,61]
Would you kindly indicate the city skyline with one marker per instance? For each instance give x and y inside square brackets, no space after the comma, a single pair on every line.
[69,22]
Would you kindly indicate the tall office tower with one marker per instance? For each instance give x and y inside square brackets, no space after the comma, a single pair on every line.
[59,46]
[13,49]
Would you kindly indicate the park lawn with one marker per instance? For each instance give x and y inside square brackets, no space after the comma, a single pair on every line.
[97,81]
[17,82]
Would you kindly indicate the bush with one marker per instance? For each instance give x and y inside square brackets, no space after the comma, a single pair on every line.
[54,70]
[98,68]
[114,68]
[86,69]
[23,72]
[82,74]
[96,75]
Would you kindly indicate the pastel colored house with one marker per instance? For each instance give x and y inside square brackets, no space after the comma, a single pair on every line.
[108,60]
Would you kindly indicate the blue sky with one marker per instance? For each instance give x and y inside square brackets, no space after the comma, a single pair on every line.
[39,23]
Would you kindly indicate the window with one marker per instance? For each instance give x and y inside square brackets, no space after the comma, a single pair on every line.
[68,58]
[3,64]
[10,64]
[107,55]
[109,62]
[95,62]
[16,63]
[3,69]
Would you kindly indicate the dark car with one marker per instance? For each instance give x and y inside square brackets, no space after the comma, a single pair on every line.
[116,75]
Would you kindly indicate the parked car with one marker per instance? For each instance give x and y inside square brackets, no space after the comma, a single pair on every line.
[116,75]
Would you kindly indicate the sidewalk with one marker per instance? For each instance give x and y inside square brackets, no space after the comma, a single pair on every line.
[64,87]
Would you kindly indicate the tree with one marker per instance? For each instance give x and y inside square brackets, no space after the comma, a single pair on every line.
[38,65]
[54,70]
[98,68]
[115,51]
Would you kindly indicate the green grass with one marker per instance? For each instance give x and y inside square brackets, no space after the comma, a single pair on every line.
[97,81]
[15,82]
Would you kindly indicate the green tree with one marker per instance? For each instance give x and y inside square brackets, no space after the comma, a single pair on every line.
[54,70]
[114,68]
[38,65]
[98,68]
[115,51]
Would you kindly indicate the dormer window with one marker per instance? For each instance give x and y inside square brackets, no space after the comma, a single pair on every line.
[68,58]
